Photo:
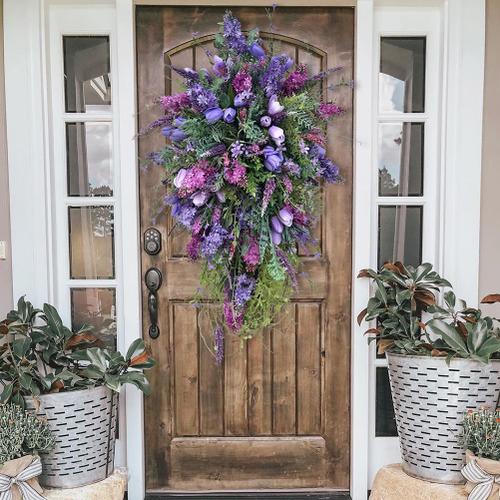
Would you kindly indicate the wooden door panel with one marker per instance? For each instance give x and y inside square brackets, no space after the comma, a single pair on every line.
[276,414]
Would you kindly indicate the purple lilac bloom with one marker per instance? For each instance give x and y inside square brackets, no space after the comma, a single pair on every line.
[193,247]
[173,104]
[229,115]
[201,98]
[252,256]
[212,241]
[304,148]
[196,178]
[269,188]
[155,157]
[237,149]
[318,151]
[243,291]
[243,98]
[188,73]
[235,39]
[291,167]
[213,115]
[216,215]
[233,321]
[163,120]
[295,80]
[186,216]
[329,171]
[272,79]
[327,109]
[287,183]
[288,267]
[273,158]
[242,82]
[219,344]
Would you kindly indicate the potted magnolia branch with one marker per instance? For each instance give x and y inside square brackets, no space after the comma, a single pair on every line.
[443,360]
[72,381]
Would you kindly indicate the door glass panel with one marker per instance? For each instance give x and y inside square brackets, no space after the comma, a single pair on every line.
[400,159]
[402,75]
[95,307]
[400,234]
[88,156]
[385,423]
[91,241]
[87,82]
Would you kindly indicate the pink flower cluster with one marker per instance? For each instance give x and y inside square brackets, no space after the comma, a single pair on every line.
[328,109]
[236,174]
[197,177]
[252,256]
[242,82]
[295,80]
[173,104]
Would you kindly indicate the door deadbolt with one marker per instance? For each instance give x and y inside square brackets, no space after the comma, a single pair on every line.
[152,241]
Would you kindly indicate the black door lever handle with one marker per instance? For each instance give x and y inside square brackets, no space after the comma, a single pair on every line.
[153,279]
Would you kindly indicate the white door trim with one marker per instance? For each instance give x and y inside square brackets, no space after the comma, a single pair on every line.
[29,156]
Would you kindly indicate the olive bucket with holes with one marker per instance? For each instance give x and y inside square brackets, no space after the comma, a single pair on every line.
[430,398]
[84,425]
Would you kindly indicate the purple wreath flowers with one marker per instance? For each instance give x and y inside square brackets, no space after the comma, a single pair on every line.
[244,162]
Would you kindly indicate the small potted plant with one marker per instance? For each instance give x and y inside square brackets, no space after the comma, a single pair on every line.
[442,361]
[481,439]
[23,436]
[72,381]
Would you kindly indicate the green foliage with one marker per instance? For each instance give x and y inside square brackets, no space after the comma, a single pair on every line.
[402,294]
[481,433]
[40,355]
[22,433]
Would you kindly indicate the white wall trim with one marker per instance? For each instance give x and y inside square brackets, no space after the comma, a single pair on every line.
[462,143]
[28,154]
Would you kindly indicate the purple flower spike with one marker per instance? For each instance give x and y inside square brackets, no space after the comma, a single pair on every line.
[272,159]
[213,115]
[275,237]
[219,344]
[219,66]
[276,224]
[179,178]
[277,135]
[257,51]
[199,198]
[274,107]
[265,121]
[177,135]
[288,62]
[286,217]
[229,115]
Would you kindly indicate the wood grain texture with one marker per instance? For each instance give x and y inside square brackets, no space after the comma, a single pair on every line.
[256,462]
[293,381]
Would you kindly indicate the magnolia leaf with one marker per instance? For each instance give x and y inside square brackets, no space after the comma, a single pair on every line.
[361,316]
[491,299]
[449,334]
[136,347]
[384,345]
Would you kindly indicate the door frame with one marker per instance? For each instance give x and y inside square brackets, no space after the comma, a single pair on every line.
[30,157]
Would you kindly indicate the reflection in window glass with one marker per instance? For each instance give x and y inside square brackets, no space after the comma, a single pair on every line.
[87,82]
[400,159]
[88,150]
[95,307]
[91,242]
[385,423]
[400,234]
[402,74]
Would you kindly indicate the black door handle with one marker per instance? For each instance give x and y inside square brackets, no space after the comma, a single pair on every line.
[153,279]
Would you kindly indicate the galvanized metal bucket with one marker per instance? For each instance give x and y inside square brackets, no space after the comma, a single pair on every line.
[430,398]
[83,423]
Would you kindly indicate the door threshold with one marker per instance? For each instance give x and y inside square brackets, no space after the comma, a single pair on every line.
[295,494]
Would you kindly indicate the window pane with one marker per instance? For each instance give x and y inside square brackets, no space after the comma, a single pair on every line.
[400,159]
[402,74]
[385,423]
[91,242]
[400,234]
[88,150]
[87,74]
[95,307]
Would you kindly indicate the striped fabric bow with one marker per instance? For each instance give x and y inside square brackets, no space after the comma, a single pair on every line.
[27,491]
[483,481]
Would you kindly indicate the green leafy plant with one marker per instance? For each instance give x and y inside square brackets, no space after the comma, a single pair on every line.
[39,355]
[403,294]
[22,433]
[481,433]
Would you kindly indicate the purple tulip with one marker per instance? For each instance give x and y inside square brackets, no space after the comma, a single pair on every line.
[272,159]
[167,131]
[320,151]
[177,135]
[179,178]
[199,198]
[240,100]
[276,224]
[219,66]
[265,121]
[229,115]
[220,196]
[213,115]
[275,237]
[179,121]
[277,135]
[286,217]
[274,107]
[257,51]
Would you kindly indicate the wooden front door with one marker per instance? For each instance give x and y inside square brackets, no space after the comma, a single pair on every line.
[276,414]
